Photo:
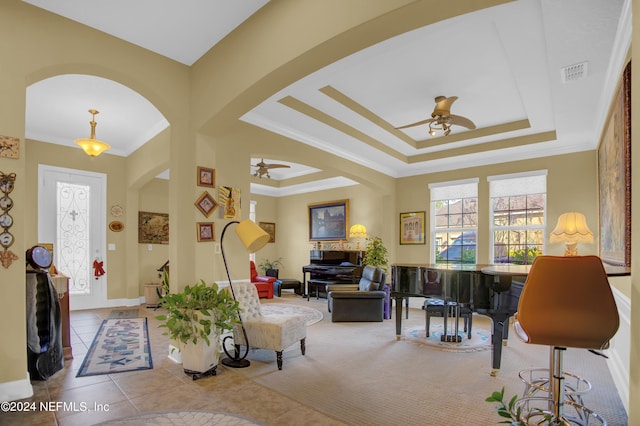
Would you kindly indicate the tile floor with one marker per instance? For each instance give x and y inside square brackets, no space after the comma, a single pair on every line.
[165,387]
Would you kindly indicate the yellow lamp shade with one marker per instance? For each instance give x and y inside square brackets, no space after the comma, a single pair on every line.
[571,228]
[93,147]
[252,236]
[357,231]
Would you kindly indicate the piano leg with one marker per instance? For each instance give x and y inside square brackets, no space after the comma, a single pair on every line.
[500,321]
[398,317]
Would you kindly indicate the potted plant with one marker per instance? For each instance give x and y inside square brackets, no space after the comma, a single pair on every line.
[270,267]
[375,253]
[195,319]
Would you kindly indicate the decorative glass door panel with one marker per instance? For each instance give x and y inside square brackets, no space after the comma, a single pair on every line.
[72,245]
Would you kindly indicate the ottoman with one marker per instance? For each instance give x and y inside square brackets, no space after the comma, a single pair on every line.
[278,285]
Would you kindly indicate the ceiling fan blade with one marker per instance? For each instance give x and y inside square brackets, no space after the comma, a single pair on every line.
[276,166]
[418,123]
[443,105]
[461,121]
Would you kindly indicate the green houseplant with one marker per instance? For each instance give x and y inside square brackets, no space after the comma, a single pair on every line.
[269,265]
[375,253]
[512,411]
[194,320]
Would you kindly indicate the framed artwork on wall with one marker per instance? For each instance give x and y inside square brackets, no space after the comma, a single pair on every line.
[412,228]
[614,178]
[269,228]
[329,221]
[206,177]
[229,198]
[205,231]
[153,228]
[206,204]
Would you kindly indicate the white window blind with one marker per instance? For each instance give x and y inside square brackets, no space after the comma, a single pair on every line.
[518,184]
[453,190]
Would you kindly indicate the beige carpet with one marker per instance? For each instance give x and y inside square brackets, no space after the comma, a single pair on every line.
[360,374]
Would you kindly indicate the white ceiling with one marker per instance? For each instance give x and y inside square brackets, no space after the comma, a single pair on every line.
[503,63]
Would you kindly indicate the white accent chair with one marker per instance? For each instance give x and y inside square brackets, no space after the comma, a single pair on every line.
[274,332]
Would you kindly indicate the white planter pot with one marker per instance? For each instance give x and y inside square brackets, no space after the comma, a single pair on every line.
[201,357]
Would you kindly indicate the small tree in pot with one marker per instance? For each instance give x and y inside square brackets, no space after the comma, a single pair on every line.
[195,320]
[375,253]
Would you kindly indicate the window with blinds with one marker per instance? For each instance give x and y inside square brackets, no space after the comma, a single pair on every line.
[454,221]
[518,216]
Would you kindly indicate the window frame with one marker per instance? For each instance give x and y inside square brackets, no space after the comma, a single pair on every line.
[534,189]
[455,190]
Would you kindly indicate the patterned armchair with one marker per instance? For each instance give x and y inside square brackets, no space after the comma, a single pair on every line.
[274,332]
[263,284]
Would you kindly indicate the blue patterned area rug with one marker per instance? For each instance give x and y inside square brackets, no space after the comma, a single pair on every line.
[120,345]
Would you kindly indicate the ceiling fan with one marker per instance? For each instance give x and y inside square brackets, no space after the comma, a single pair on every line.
[263,168]
[441,118]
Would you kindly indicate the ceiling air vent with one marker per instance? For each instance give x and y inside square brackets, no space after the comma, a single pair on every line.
[574,72]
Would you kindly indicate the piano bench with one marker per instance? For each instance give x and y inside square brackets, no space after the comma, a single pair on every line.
[436,307]
[318,285]
[287,283]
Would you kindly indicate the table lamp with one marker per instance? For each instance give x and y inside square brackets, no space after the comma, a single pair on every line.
[253,238]
[358,231]
[571,229]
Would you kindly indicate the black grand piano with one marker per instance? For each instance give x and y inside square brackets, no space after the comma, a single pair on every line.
[335,266]
[493,291]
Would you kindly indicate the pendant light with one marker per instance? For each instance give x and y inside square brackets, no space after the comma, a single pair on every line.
[92,146]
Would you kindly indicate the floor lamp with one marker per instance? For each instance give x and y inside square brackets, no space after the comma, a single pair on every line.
[253,238]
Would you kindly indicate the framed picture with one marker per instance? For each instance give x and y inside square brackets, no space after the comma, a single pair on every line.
[614,178]
[206,177]
[153,228]
[229,198]
[329,221]
[206,231]
[206,204]
[412,228]
[269,228]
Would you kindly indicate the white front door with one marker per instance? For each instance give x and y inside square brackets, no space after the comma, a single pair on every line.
[71,215]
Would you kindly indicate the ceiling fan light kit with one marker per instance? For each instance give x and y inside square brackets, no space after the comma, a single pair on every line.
[92,146]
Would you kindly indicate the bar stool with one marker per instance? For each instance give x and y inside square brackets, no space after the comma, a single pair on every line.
[566,303]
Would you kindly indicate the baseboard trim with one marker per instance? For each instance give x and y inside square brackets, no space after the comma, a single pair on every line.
[18,389]
[620,348]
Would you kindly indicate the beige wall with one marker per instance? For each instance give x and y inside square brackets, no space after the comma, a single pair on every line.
[573,174]
[154,197]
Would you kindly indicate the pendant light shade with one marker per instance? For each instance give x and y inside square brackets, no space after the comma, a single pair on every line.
[92,146]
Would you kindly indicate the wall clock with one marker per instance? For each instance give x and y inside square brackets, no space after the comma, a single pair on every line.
[9,147]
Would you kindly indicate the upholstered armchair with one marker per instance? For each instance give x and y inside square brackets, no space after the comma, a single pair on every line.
[359,302]
[264,284]
[273,332]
